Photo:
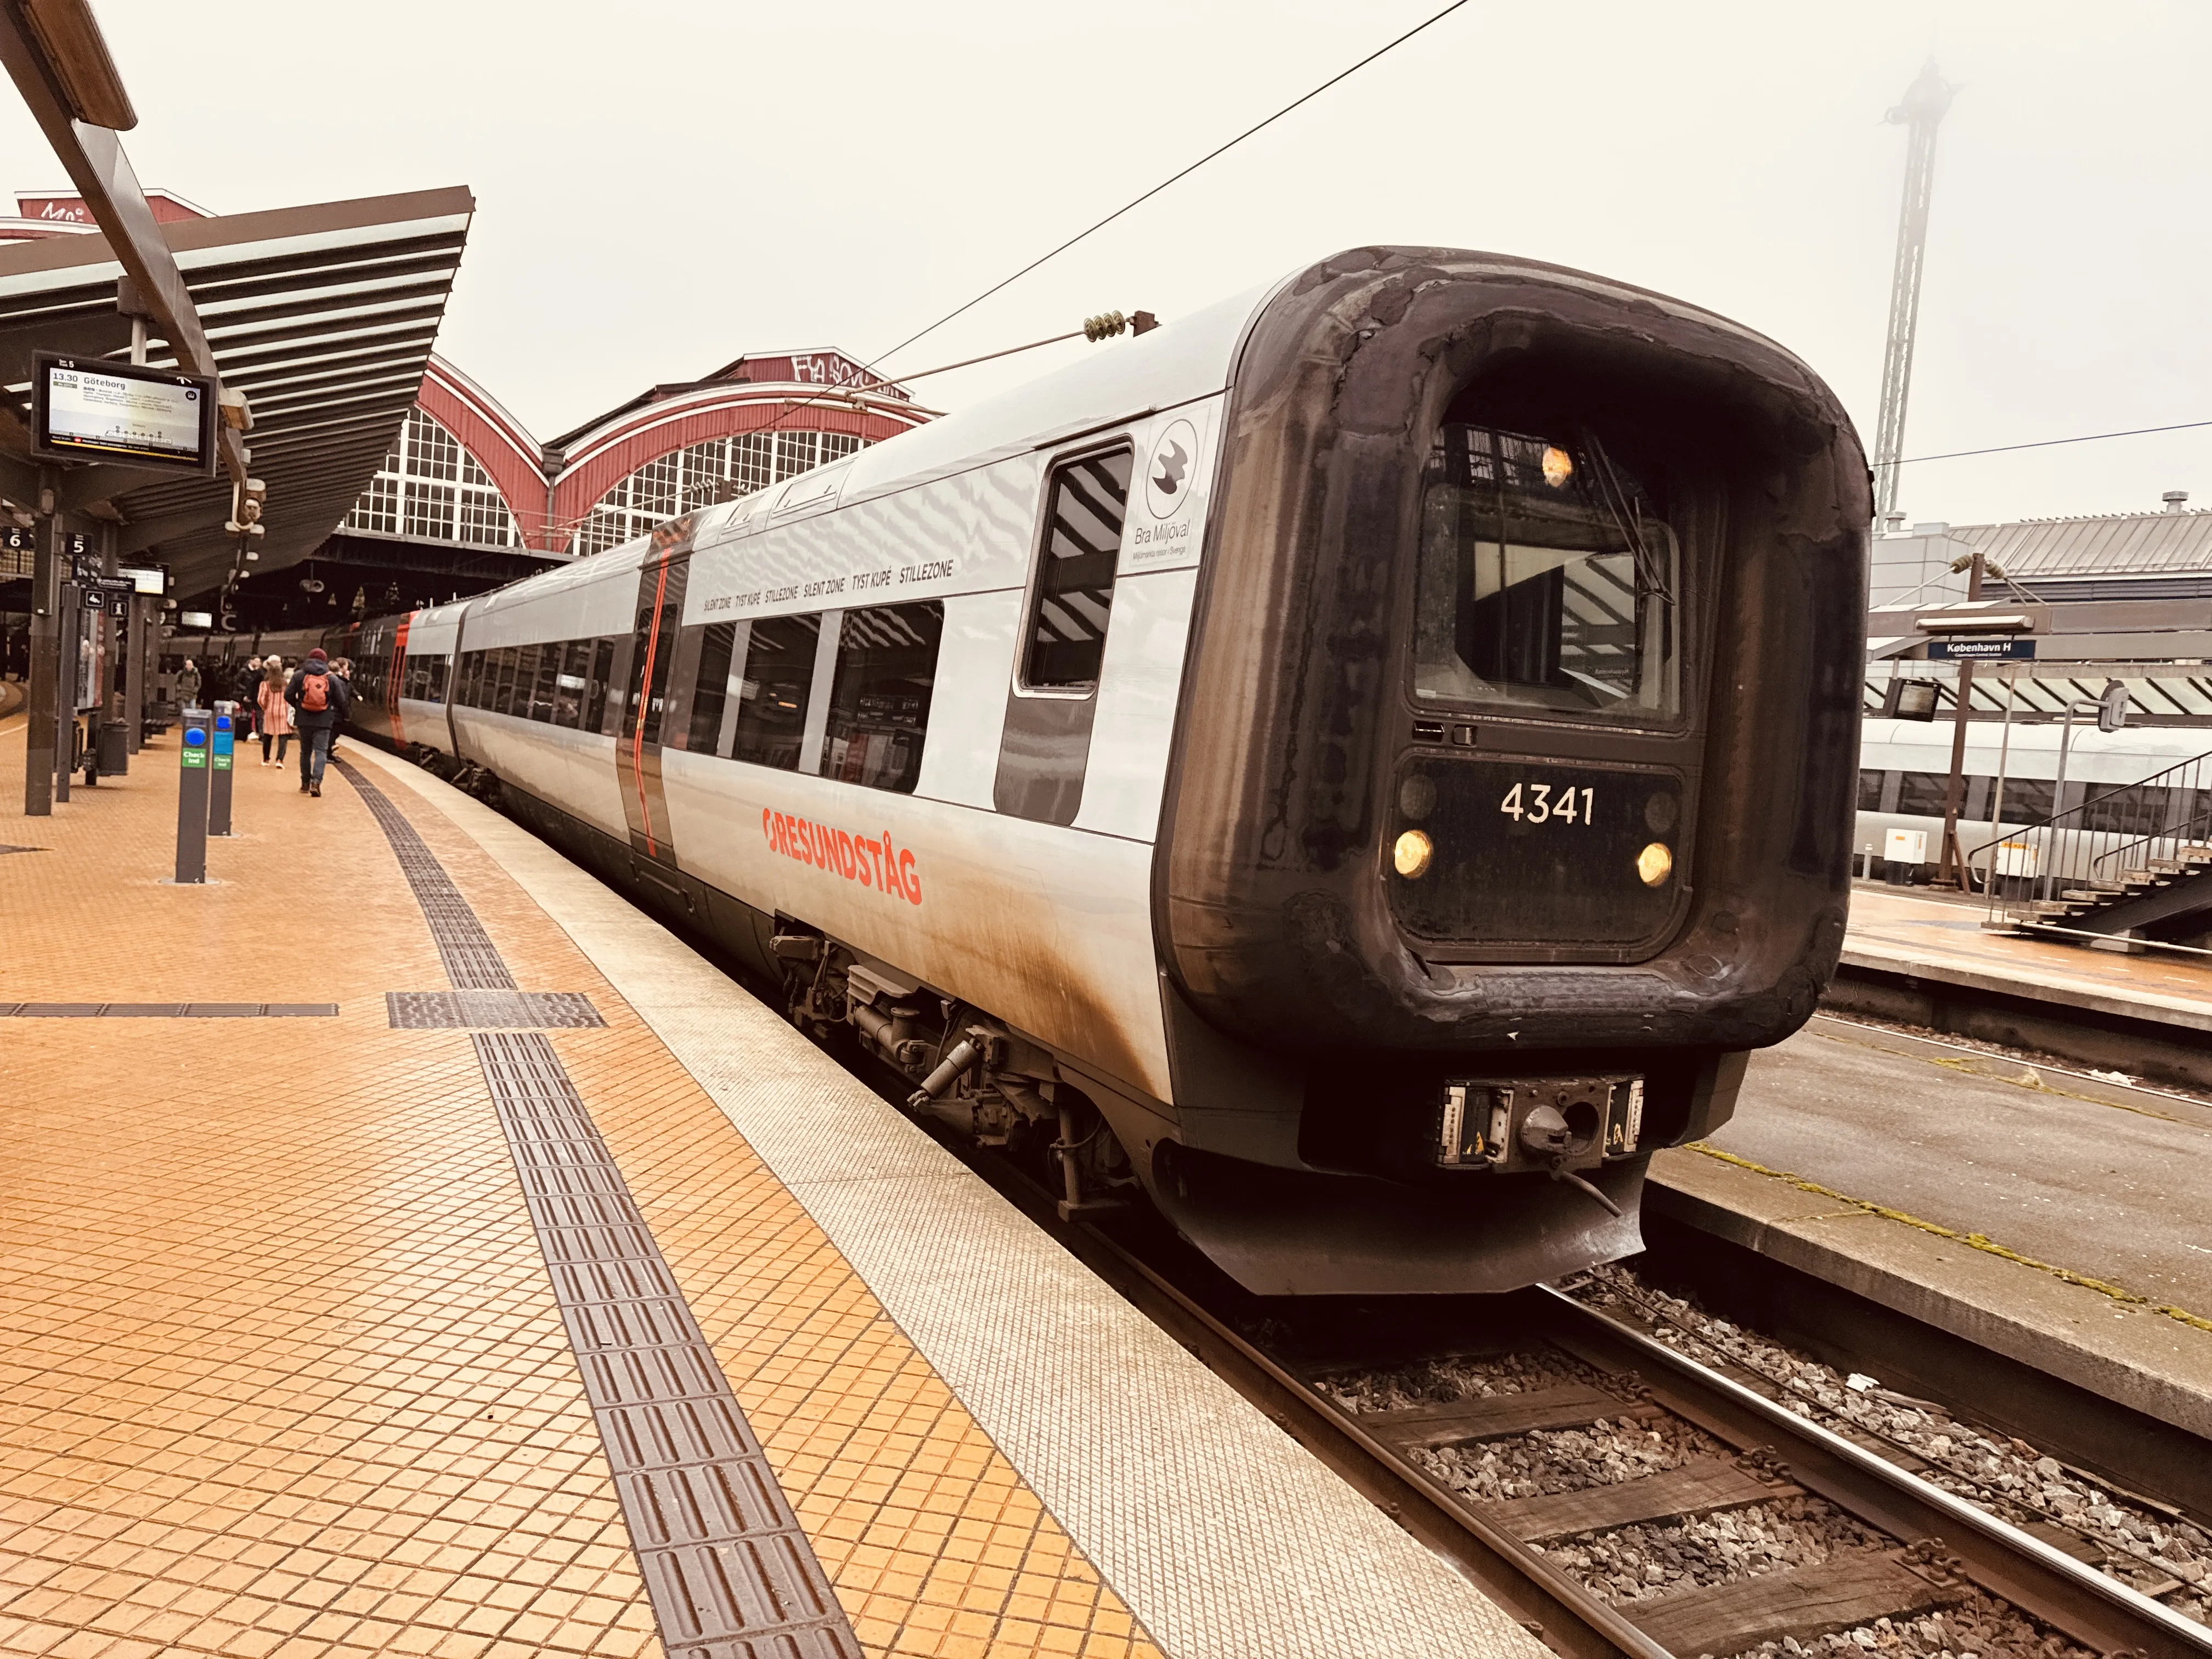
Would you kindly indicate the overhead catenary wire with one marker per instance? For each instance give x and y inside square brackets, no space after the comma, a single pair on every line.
[846,398]
[1175,178]
[791,409]
[2049,443]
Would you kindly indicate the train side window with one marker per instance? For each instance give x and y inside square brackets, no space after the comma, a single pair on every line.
[2029,800]
[475,697]
[1065,639]
[2137,809]
[525,679]
[503,698]
[569,681]
[879,693]
[547,688]
[595,687]
[1869,791]
[440,668]
[1923,792]
[777,685]
[711,691]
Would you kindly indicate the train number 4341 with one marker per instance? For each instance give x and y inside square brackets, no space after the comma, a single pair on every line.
[1540,803]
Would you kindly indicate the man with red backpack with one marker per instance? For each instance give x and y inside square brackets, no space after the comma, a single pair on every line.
[318,699]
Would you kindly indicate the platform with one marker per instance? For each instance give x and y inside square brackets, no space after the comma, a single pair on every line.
[1927,961]
[526,1287]
[2043,1215]
[1944,939]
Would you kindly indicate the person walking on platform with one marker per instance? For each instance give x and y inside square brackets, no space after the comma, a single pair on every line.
[275,714]
[249,699]
[342,669]
[188,684]
[319,700]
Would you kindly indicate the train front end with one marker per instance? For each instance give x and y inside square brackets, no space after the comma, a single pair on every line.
[1513,778]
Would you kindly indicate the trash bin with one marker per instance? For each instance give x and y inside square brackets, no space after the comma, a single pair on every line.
[115,748]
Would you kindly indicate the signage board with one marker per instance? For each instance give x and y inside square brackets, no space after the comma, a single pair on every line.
[1984,649]
[196,618]
[1909,700]
[94,408]
[1905,847]
[111,594]
[146,581]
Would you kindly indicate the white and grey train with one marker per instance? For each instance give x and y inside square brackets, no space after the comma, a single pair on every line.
[1358,767]
[2121,790]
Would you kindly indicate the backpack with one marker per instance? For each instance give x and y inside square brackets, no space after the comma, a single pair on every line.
[314,693]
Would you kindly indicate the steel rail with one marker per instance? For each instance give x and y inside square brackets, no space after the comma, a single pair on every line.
[2092,1607]
[1560,1613]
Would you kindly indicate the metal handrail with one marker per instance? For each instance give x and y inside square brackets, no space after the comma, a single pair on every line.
[2015,833]
[2171,831]
[2066,853]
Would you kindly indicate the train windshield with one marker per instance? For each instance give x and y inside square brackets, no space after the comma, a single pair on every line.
[1546,581]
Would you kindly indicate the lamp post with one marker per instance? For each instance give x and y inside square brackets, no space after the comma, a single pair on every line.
[2111,710]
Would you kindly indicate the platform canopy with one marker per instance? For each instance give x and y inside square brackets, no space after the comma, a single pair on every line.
[323,316]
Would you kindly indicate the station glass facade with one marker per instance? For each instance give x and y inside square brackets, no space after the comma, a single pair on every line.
[719,469]
[431,488]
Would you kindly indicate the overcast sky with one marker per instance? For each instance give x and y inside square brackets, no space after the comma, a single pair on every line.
[662,186]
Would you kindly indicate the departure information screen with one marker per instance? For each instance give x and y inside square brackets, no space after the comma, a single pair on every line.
[99,410]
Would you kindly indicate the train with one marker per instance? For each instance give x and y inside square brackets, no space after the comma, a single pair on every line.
[1357,769]
[2122,789]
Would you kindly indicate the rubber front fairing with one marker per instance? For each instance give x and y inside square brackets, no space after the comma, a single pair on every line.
[1269,897]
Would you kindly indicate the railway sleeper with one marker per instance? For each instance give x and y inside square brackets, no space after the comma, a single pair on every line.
[1800,1603]
[1496,1417]
[1883,1491]
[1703,1486]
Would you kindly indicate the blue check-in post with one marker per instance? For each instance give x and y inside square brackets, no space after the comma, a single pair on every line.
[219,759]
[194,752]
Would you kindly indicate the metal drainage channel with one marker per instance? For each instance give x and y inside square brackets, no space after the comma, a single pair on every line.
[729,1570]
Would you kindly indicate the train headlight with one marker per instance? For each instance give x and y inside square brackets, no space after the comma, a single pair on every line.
[1558,466]
[1654,864]
[1412,854]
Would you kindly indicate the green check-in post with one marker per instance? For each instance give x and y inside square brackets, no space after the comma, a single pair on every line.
[219,770]
[192,757]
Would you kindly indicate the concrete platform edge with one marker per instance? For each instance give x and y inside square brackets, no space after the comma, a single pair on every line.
[2149,1007]
[2128,1353]
[1223,1536]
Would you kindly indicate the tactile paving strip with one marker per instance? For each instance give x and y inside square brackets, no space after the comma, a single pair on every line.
[490,1011]
[729,1570]
[168,1010]
[472,961]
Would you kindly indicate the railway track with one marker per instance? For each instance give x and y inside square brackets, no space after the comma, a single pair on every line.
[1906,1551]
[1911,1554]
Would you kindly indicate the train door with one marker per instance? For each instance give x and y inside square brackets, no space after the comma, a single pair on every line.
[395,677]
[661,580]
[1054,699]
